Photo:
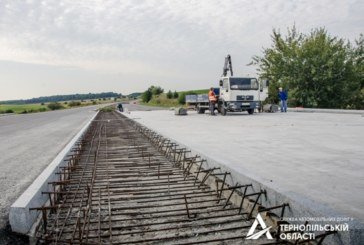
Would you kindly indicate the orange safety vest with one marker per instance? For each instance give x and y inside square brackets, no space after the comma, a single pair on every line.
[212,96]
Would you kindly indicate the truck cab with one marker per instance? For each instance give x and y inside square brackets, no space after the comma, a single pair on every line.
[241,94]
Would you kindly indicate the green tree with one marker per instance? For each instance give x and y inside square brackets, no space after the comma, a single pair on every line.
[357,99]
[169,94]
[156,90]
[152,90]
[147,96]
[175,94]
[181,98]
[318,70]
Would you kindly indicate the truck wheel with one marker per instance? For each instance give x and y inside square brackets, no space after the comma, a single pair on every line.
[223,110]
[250,111]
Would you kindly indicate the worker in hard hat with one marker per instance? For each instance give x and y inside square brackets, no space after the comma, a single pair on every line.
[212,101]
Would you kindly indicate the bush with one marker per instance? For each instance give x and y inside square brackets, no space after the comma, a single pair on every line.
[42,103]
[94,102]
[42,109]
[74,103]
[169,94]
[24,112]
[107,109]
[9,111]
[175,95]
[147,96]
[55,106]
[156,90]
[182,98]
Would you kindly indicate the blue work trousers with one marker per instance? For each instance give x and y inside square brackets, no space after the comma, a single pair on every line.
[212,107]
[283,105]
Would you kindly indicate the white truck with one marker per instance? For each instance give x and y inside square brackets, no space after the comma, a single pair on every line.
[235,94]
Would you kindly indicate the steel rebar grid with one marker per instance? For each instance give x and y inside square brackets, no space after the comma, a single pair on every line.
[126,184]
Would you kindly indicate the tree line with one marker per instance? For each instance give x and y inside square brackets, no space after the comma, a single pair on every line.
[57,98]
[317,69]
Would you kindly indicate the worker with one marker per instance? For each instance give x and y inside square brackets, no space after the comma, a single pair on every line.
[120,107]
[212,100]
[283,96]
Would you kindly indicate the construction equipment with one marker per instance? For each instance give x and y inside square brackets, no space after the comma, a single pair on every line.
[180,111]
[227,67]
[270,108]
[235,94]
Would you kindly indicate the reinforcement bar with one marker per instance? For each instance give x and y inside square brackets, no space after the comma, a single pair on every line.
[126,184]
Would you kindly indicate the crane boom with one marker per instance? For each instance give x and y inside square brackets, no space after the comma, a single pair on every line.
[227,66]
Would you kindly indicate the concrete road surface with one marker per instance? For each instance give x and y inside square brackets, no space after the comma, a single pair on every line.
[28,143]
[316,159]
[135,106]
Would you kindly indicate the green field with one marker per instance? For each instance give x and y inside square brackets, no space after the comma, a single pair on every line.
[32,108]
[29,108]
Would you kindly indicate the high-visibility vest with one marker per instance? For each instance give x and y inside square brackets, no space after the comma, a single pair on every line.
[212,96]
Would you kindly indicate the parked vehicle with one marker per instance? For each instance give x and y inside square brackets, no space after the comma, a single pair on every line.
[235,94]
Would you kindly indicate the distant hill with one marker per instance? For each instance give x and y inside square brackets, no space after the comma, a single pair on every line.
[57,98]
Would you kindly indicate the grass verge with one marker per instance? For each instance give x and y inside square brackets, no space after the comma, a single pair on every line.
[32,108]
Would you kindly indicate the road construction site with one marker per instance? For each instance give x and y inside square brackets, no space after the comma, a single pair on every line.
[294,153]
[314,161]
[152,177]
[125,184]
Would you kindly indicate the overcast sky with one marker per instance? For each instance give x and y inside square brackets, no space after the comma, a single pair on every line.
[65,46]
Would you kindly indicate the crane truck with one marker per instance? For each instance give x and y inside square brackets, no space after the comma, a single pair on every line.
[234,94]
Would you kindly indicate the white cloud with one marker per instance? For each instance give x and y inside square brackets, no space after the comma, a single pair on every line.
[171,39]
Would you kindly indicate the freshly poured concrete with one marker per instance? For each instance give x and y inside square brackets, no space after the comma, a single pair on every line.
[316,160]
